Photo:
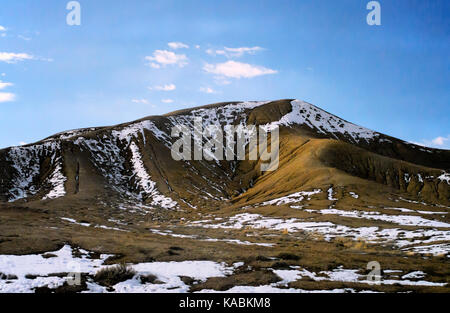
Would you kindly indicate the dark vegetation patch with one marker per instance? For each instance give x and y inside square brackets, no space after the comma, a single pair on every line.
[281,266]
[7,276]
[49,255]
[109,276]
[149,279]
[250,278]
[288,256]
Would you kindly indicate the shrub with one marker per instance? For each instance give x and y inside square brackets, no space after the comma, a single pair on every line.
[109,276]
[288,256]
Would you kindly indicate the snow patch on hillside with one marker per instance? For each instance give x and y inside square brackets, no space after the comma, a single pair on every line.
[292,198]
[145,183]
[131,131]
[445,177]
[330,194]
[27,163]
[304,113]
[57,180]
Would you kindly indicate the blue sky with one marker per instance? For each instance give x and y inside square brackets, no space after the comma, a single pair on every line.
[118,66]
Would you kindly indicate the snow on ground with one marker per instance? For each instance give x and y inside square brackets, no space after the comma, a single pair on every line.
[71,220]
[63,261]
[414,275]
[339,274]
[274,289]
[168,274]
[437,249]
[36,264]
[292,198]
[231,241]
[399,237]
[416,211]
[404,220]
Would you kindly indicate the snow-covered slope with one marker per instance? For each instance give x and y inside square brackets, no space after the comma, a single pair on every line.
[304,113]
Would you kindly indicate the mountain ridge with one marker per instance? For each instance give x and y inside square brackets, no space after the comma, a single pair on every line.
[108,156]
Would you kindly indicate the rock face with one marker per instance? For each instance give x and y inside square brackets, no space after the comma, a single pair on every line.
[132,162]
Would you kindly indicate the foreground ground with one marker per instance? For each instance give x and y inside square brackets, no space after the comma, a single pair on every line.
[316,240]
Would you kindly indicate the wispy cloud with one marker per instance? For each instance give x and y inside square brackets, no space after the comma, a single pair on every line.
[7,97]
[4,85]
[140,101]
[10,57]
[178,45]
[233,69]
[234,52]
[161,58]
[24,38]
[207,90]
[167,100]
[2,28]
[168,87]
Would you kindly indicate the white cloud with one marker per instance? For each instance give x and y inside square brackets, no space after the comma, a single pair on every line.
[207,90]
[235,69]
[167,100]
[140,101]
[22,143]
[438,142]
[2,28]
[164,57]
[197,46]
[3,85]
[234,52]
[10,57]
[168,87]
[178,45]
[7,97]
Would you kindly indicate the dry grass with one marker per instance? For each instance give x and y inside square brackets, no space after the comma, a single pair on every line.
[109,276]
